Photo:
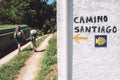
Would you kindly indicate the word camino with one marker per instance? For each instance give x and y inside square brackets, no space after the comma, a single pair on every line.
[91,19]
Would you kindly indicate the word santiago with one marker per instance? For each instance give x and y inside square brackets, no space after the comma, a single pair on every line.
[95,29]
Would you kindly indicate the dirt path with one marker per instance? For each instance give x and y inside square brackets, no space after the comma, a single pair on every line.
[32,65]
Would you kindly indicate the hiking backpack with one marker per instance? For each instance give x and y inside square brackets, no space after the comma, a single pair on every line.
[33,35]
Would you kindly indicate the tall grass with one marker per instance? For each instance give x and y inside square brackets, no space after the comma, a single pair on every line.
[49,60]
[9,26]
[9,70]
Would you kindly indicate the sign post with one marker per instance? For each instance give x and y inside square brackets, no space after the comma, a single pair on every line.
[95,40]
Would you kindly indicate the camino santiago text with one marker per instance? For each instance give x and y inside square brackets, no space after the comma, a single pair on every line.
[94,28]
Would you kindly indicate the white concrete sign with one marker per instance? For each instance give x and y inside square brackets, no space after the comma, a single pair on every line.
[96,40]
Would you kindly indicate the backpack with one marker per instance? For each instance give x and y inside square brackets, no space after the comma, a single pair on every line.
[17,35]
[33,35]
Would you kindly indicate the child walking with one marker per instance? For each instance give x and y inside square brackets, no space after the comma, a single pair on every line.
[32,38]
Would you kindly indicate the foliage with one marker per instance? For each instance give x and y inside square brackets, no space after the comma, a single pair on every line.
[12,11]
[34,13]
[41,15]
[50,58]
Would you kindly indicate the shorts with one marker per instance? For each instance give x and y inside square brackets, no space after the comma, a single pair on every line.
[18,40]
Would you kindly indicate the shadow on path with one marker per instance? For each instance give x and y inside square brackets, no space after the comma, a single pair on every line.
[30,49]
[40,50]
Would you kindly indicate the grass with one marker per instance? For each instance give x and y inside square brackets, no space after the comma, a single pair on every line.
[9,26]
[55,78]
[9,70]
[49,60]
[40,40]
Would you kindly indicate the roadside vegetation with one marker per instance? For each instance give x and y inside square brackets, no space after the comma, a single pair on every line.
[48,70]
[8,26]
[9,70]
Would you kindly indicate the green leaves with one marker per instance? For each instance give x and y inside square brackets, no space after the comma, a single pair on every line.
[35,13]
[12,10]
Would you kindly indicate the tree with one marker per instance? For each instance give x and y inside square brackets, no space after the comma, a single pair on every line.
[40,15]
[35,13]
[12,11]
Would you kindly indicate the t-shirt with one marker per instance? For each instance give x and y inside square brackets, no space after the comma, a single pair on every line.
[22,32]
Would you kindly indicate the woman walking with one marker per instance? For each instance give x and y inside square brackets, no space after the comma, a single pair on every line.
[18,35]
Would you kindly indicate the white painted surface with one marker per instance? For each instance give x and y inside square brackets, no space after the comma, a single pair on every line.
[89,62]
[62,39]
